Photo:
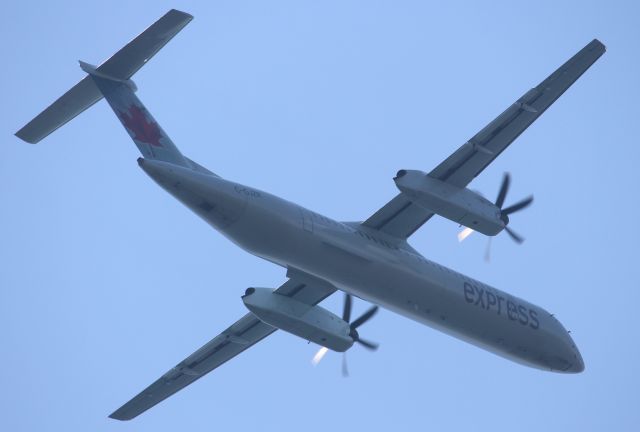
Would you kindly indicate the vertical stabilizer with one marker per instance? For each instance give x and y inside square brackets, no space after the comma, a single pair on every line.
[145,132]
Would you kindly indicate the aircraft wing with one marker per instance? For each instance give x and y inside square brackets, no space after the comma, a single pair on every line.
[400,218]
[244,333]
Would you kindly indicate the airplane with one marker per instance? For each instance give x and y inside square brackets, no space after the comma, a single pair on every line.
[371,260]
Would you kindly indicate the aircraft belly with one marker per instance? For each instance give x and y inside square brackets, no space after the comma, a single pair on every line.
[406,284]
[435,296]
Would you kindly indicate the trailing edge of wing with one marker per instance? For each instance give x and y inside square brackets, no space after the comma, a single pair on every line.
[243,334]
[247,331]
[401,218]
[477,153]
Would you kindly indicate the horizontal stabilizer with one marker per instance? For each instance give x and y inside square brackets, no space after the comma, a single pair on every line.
[121,66]
[79,98]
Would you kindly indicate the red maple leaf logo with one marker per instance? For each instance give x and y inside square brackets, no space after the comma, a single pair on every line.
[136,121]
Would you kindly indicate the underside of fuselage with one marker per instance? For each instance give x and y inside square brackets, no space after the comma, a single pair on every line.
[377,269]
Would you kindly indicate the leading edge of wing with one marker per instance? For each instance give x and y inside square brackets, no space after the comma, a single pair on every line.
[243,334]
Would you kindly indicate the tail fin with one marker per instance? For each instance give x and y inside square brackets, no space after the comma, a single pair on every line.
[149,137]
[112,80]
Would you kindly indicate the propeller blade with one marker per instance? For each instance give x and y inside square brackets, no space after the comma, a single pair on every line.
[518,239]
[345,369]
[367,344]
[364,317]
[346,312]
[316,358]
[518,206]
[487,252]
[504,188]
[464,234]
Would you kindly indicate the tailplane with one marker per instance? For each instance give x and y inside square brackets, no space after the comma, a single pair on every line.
[112,80]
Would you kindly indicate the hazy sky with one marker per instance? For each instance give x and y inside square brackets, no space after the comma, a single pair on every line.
[106,281]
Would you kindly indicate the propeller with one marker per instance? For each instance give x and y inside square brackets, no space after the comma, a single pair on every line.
[353,332]
[504,214]
[487,252]
[346,316]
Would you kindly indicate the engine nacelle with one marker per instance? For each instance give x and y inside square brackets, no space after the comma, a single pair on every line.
[459,205]
[312,323]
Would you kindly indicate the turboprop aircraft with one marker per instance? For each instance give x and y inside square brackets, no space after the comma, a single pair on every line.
[371,260]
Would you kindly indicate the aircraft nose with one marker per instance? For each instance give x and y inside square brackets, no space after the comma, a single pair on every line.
[577,365]
[572,354]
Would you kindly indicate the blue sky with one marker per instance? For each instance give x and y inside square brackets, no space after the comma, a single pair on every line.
[106,282]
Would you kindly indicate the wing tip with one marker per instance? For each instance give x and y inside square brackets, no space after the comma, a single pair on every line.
[25,137]
[597,44]
[185,15]
[117,415]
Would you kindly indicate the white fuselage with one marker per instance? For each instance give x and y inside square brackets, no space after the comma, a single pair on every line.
[377,268]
